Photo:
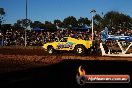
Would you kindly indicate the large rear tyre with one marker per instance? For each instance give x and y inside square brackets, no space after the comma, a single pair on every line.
[79,49]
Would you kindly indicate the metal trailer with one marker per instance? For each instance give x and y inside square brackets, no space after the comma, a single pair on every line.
[105,37]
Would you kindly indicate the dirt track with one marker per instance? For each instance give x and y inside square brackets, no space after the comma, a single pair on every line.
[20,67]
[39,52]
[12,58]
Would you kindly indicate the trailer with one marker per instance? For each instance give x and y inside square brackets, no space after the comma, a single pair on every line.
[119,39]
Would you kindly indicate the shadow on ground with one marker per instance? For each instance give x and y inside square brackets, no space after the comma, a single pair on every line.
[64,73]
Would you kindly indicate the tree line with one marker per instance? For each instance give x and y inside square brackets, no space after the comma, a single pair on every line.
[112,19]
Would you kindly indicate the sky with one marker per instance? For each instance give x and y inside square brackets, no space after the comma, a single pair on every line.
[49,10]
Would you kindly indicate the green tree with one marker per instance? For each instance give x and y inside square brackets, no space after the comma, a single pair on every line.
[83,21]
[58,23]
[23,23]
[70,22]
[2,14]
[98,22]
[50,26]
[115,20]
[37,24]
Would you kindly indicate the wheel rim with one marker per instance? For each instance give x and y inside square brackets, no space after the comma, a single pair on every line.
[51,50]
[79,50]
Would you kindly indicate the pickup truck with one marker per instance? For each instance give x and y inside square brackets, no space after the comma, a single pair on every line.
[79,46]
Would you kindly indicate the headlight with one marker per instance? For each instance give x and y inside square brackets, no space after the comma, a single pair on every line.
[43,46]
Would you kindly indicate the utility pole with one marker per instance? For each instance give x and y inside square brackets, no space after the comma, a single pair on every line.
[92,11]
[26,27]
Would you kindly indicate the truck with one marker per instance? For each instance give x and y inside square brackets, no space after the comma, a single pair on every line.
[78,46]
